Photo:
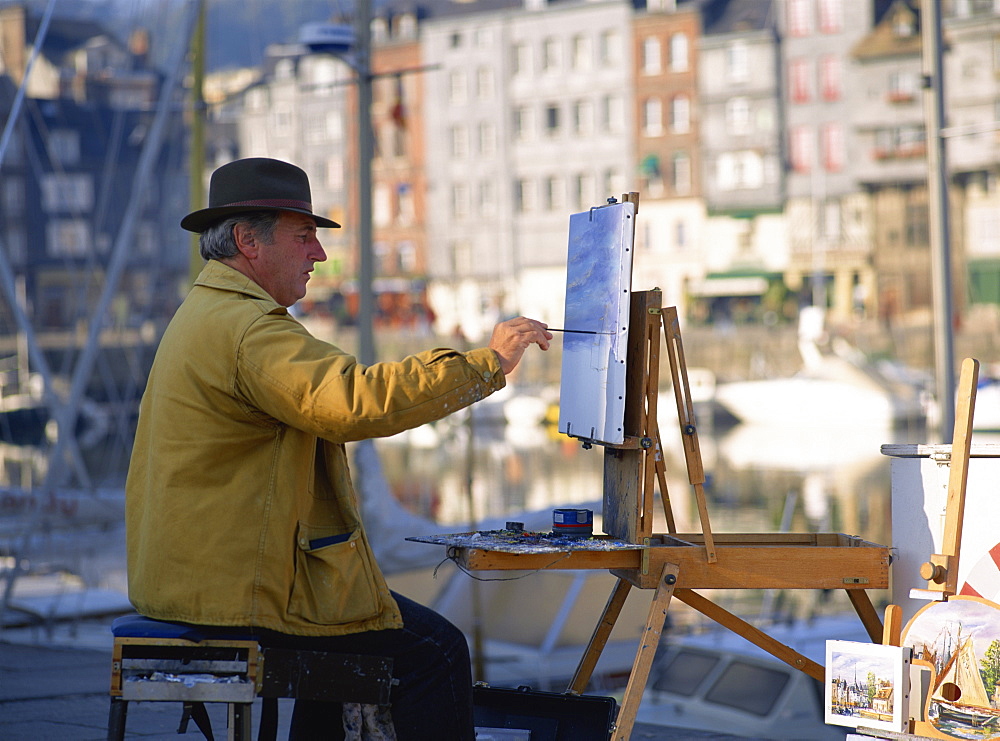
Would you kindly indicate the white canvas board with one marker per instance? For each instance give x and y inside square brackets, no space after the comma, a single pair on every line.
[867,684]
[919,503]
[598,291]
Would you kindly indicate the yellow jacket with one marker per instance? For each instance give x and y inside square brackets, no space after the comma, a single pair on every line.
[239,503]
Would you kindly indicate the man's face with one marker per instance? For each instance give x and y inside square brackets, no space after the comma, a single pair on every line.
[282,268]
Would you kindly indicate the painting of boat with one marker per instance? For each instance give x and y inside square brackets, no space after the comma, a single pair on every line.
[959,640]
[960,696]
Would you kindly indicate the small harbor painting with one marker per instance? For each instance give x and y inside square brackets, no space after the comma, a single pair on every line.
[867,684]
[959,640]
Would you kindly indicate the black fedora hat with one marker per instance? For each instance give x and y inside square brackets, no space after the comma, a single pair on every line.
[255,184]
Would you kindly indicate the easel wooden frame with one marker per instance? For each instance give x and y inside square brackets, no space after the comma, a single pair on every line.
[941,569]
[674,564]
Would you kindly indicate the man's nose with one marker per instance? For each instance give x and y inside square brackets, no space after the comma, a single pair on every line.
[318,254]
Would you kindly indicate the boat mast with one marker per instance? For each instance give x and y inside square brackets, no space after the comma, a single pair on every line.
[197,174]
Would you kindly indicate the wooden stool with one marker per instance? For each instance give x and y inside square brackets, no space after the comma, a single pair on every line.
[158,661]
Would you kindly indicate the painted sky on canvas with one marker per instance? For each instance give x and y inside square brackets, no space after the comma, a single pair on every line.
[593,275]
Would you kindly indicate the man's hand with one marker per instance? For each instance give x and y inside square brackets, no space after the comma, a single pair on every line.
[511,338]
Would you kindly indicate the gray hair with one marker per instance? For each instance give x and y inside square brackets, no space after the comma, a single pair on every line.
[217,241]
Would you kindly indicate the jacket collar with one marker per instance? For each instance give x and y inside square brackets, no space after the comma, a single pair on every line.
[217,274]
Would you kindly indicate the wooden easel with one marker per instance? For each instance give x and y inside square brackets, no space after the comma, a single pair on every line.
[673,564]
[941,569]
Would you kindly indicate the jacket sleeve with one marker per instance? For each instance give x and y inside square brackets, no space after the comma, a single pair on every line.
[306,383]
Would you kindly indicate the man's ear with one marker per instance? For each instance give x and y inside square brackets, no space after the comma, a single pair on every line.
[246,241]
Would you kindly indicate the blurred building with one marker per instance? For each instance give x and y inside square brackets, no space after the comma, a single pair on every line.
[779,151]
[69,176]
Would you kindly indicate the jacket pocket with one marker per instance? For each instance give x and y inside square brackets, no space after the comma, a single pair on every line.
[333,581]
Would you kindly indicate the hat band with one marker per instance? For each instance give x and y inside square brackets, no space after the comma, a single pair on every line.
[272,203]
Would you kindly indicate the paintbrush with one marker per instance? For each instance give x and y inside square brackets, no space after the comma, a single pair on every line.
[575,331]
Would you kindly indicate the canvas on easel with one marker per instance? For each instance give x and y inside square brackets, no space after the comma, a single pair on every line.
[598,289]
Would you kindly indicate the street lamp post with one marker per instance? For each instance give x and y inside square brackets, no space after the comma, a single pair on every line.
[939,221]
[355,50]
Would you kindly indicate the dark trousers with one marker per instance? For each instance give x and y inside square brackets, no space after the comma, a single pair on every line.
[433,700]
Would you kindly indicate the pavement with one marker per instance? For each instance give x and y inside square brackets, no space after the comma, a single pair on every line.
[54,687]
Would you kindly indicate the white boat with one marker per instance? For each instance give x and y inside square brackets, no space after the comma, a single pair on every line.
[719,682]
[835,387]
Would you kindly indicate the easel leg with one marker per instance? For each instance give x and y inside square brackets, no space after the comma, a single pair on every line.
[600,637]
[867,612]
[647,650]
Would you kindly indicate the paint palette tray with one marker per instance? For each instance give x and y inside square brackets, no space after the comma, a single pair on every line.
[526,542]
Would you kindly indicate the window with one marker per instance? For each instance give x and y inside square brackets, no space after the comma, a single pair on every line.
[680,114]
[315,129]
[613,113]
[681,163]
[830,220]
[652,117]
[282,117]
[407,26]
[831,77]
[555,194]
[460,200]
[550,55]
[740,170]
[67,238]
[16,245]
[522,123]
[484,83]
[799,20]
[459,142]
[487,139]
[651,56]
[406,254]
[738,115]
[684,671]
[917,229]
[67,193]
[679,52]
[64,145]
[832,143]
[13,196]
[381,205]
[831,16]
[583,117]
[903,86]
[612,182]
[552,120]
[611,47]
[738,62]
[455,40]
[406,209]
[521,59]
[800,148]
[487,198]
[798,81]
[583,191]
[284,69]
[582,53]
[457,87]
[525,195]
[748,687]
